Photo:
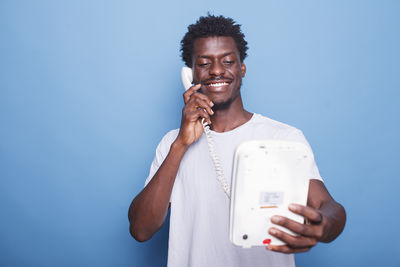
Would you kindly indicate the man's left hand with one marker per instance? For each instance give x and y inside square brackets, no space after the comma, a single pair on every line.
[308,234]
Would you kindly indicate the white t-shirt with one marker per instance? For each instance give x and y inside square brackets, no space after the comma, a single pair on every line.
[199,217]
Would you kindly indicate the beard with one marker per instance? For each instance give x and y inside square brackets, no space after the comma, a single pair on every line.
[223,105]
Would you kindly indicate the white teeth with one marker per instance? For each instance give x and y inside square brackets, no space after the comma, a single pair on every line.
[218,84]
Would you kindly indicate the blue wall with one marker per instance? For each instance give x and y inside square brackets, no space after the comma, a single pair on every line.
[88,88]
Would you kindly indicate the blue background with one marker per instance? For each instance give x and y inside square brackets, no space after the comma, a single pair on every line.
[88,88]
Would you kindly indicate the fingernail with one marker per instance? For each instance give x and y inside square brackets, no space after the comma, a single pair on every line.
[211,103]
[212,112]
[293,207]
[273,231]
[276,219]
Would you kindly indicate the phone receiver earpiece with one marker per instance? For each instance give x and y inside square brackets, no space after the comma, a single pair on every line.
[187,77]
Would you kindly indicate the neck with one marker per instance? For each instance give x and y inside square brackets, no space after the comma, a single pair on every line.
[233,116]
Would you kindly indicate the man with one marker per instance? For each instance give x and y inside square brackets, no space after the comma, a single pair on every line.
[182,175]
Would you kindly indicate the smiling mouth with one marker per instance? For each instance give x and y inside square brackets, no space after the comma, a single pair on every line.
[217,84]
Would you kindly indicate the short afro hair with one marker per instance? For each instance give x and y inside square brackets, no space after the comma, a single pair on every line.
[209,26]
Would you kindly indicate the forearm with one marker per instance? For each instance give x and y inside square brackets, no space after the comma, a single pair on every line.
[149,208]
[335,216]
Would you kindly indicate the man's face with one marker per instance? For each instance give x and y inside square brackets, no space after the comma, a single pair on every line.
[217,66]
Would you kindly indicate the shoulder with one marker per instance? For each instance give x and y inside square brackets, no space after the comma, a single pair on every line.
[170,136]
[168,139]
[279,129]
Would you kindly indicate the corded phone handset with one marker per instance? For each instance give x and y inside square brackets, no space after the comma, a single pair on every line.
[267,176]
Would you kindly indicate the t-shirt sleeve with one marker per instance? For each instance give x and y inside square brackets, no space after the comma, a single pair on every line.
[161,153]
[297,136]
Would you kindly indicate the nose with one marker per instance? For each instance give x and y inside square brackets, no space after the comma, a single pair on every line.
[216,69]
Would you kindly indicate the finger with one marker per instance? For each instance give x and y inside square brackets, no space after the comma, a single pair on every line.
[200,103]
[205,115]
[189,92]
[204,98]
[199,114]
[197,95]
[293,241]
[200,100]
[307,212]
[286,249]
[296,227]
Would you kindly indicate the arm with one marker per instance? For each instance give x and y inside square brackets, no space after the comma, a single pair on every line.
[326,219]
[149,208]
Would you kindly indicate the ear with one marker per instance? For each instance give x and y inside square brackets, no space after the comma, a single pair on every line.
[243,69]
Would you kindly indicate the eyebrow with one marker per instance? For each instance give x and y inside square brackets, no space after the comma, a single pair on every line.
[223,55]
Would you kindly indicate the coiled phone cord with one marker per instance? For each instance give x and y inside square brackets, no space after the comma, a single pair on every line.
[215,159]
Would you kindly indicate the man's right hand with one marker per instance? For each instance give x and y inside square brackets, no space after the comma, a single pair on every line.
[197,107]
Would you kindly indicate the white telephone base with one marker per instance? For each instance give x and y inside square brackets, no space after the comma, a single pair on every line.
[268,175]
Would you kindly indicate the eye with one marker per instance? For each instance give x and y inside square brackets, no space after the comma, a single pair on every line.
[229,62]
[203,64]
